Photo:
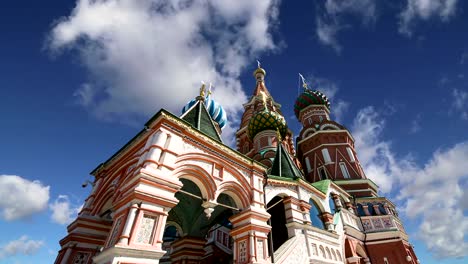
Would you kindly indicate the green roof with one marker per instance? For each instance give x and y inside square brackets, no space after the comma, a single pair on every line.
[322,185]
[283,166]
[198,117]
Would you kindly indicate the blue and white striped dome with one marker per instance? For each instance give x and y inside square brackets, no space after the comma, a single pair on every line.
[215,110]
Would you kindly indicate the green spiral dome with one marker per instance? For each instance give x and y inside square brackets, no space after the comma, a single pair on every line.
[309,97]
[266,120]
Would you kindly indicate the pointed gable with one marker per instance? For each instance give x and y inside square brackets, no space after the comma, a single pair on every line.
[283,166]
[198,117]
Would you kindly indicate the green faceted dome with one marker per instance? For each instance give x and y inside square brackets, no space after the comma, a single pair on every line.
[309,97]
[266,120]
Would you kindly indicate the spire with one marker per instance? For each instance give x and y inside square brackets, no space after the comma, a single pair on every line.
[304,83]
[199,117]
[283,166]
[259,75]
[202,91]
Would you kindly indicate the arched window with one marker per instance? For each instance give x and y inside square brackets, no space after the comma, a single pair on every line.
[331,203]
[382,209]
[360,210]
[315,215]
[370,207]
[170,233]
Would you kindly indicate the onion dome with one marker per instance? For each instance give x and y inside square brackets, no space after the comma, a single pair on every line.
[309,97]
[216,111]
[266,120]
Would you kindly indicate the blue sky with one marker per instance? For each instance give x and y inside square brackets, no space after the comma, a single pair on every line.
[79,78]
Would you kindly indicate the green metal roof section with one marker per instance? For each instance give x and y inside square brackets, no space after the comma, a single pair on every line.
[199,118]
[322,185]
[283,166]
[336,218]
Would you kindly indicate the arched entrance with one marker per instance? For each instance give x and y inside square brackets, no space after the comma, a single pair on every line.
[195,234]
[279,231]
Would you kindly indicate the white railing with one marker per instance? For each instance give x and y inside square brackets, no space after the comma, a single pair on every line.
[351,219]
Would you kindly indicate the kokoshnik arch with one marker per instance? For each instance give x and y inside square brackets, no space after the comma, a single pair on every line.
[176,194]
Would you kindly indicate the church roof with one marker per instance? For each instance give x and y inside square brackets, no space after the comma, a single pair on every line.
[198,117]
[322,185]
[283,166]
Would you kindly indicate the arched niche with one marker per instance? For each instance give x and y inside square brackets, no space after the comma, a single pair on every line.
[315,215]
[238,194]
[279,231]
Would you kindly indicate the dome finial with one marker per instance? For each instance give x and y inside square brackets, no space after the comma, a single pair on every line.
[209,89]
[304,83]
[202,90]
[259,73]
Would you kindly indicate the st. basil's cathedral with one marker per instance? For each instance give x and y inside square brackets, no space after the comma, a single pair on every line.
[175,193]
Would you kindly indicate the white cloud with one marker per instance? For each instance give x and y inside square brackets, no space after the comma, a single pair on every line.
[148,54]
[339,109]
[431,192]
[374,154]
[20,198]
[63,212]
[21,246]
[330,89]
[415,124]
[460,103]
[436,192]
[330,18]
[425,10]
[327,33]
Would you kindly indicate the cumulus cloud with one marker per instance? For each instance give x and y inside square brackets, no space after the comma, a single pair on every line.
[21,246]
[331,18]
[425,10]
[148,54]
[425,191]
[20,198]
[330,89]
[440,186]
[63,212]
[374,153]
[460,103]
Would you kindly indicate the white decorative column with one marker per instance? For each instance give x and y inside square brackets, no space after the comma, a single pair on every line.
[128,225]
[66,256]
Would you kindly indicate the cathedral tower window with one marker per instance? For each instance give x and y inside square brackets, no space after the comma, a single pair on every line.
[322,173]
[307,161]
[344,170]
[326,156]
[351,154]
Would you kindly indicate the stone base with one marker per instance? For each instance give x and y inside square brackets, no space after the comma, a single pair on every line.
[118,254]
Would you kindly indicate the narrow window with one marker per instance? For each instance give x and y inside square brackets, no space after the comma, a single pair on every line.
[322,173]
[344,170]
[307,161]
[350,154]
[326,156]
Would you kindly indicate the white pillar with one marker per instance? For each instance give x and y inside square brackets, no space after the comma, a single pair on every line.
[65,259]
[158,139]
[128,225]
